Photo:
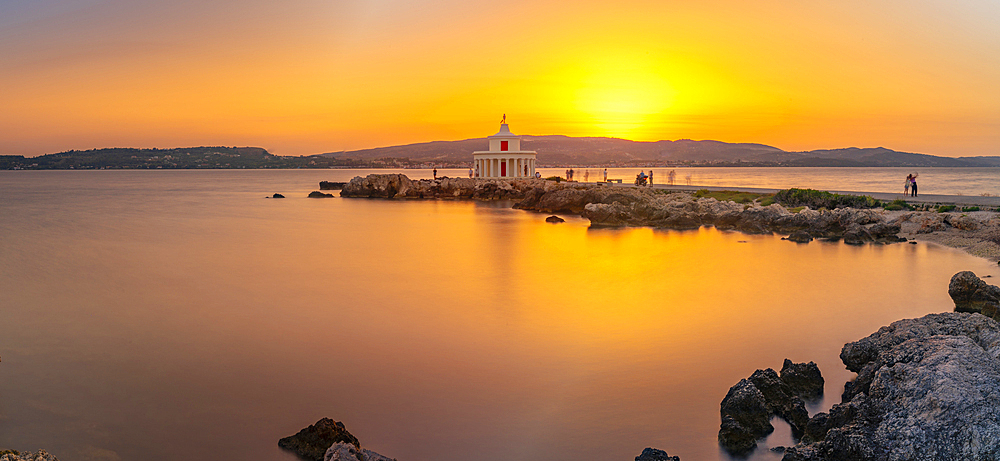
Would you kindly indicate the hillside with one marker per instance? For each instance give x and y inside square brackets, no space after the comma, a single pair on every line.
[179,158]
[555,150]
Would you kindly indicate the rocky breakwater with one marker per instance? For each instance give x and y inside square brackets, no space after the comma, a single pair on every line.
[927,388]
[617,206]
[609,206]
[398,186]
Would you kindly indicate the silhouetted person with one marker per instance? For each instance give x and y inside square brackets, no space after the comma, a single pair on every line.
[435,173]
[913,185]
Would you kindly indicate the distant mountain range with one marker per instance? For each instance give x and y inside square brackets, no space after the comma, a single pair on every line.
[565,150]
[554,151]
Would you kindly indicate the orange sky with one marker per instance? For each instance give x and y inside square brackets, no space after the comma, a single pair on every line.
[310,76]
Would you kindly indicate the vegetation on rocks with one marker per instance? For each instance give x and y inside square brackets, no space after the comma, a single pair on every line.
[736,196]
[945,208]
[817,199]
[898,205]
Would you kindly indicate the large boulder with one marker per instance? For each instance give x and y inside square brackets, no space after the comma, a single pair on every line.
[347,452]
[804,379]
[378,186]
[799,236]
[856,234]
[652,454]
[311,443]
[972,294]
[567,200]
[927,388]
[746,417]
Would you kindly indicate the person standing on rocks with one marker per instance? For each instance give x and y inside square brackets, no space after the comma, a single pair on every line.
[913,184]
[435,173]
[650,176]
[470,173]
[906,186]
[605,175]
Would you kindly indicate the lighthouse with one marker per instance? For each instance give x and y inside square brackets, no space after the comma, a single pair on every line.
[505,159]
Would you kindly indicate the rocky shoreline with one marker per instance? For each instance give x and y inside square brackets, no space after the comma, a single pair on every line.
[977,233]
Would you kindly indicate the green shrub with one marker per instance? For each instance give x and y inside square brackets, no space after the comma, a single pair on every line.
[736,196]
[897,205]
[945,208]
[970,208]
[821,199]
[554,178]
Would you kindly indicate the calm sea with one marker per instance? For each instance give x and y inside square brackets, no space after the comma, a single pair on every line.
[164,315]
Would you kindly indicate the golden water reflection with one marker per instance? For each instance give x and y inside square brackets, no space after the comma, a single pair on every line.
[185,324]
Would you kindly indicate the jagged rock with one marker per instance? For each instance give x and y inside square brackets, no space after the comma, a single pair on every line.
[967,223]
[13,455]
[799,237]
[569,200]
[312,442]
[804,379]
[749,405]
[927,388]
[347,452]
[886,232]
[377,186]
[554,220]
[930,223]
[318,194]
[277,195]
[972,294]
[781,399]
[652,454]
[746,417]
[856,234]
[331,185]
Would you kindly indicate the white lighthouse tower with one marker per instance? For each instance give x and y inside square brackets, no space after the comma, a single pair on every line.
[505,159]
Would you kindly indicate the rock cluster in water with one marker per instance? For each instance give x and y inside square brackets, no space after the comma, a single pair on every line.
[652,454]
[927,388]
[748,407]
[316,442]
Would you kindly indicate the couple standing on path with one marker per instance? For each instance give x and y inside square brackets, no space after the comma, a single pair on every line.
[910,187]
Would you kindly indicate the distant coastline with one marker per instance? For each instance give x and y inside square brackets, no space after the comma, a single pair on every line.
[553,152]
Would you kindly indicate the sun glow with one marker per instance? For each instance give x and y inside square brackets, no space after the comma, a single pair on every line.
[623,100]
